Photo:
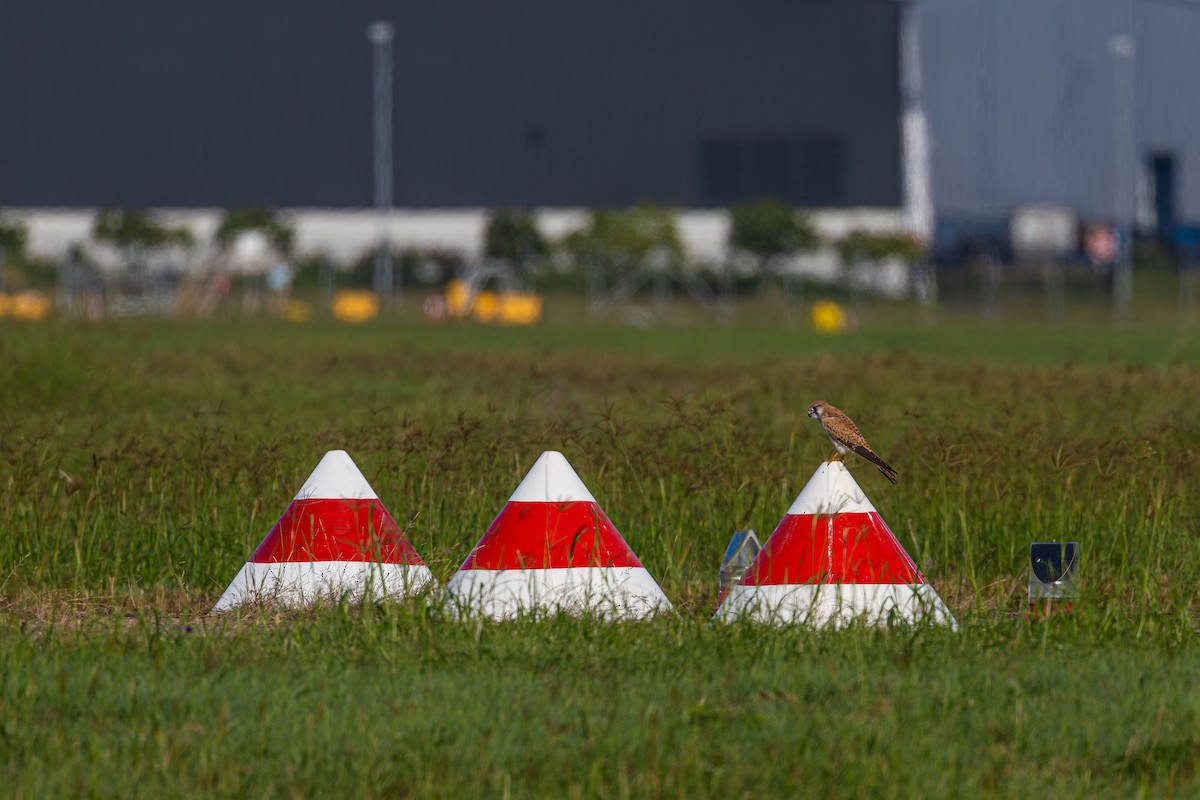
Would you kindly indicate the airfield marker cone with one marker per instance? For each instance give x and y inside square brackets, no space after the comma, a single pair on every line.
[334,540]
[550,549]
[832,560]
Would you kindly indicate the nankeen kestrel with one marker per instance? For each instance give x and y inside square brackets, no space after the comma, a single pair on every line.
[844,434]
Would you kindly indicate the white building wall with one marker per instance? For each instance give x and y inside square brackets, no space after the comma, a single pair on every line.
[344,236]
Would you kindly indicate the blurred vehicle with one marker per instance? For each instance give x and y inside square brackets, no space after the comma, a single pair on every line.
[485,292]
[1044,233]
[1026,235]
[1184,244]
[29,305]
[1100,244]
[959,239]
[355,305]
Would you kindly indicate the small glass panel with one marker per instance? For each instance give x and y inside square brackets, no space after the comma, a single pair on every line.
[1053,570]
[739,555]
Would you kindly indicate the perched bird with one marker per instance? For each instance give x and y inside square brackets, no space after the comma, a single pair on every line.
[844,434]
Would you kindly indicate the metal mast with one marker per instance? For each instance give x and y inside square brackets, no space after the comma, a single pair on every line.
[1123,49]
[380,34]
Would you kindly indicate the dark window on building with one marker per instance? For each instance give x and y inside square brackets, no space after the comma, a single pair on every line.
[1162,171]
[803,172]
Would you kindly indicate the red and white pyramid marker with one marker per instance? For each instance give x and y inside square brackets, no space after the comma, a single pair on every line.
[334,540]
[551,549]
[832,560]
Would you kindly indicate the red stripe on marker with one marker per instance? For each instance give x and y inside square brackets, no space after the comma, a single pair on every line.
[336,530]
[529,535]
[839,548]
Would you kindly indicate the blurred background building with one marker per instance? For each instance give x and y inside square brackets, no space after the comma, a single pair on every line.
[523,103]
[939,118]
[1091,104]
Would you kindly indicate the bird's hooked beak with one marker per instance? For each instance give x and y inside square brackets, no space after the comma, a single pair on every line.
[812,412]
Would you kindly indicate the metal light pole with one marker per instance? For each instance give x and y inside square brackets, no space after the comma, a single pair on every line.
[1122,49]
[985,105]
[380,35]
[985,147]
[918,193]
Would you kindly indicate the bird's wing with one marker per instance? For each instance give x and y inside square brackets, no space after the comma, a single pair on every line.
[842,428]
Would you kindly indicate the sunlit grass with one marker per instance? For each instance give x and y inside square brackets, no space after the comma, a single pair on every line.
[142,462]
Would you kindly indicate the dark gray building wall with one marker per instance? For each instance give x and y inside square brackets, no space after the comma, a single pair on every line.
[528,102]
[1023,101]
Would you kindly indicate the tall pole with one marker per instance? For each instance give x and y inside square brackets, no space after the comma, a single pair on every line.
[985,104]
[918,194]
[380,35]
[1122,49]
[1064,102]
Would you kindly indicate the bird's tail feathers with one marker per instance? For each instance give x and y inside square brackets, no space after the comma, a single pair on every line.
[880,464]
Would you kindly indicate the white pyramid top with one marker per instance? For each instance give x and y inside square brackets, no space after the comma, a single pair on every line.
[336,478]
[832,490]
[552,480]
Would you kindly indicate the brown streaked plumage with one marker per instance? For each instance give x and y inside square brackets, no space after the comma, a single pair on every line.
[845,436]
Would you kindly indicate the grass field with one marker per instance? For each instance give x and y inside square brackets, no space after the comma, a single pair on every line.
[141,462]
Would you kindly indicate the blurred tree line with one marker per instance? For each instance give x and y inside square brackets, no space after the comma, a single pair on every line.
[611,242]
[18,271]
